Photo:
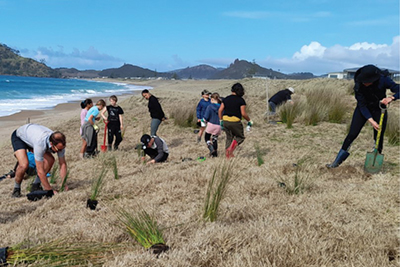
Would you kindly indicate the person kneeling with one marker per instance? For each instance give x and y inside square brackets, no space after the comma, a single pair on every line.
[155,147]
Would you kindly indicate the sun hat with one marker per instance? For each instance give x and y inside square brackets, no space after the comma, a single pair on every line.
[368,74]
[291,89]
[145,139]
[205,92]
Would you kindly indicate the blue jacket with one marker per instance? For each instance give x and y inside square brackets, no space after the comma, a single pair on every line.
[368,97]
[201,108]
[211,114]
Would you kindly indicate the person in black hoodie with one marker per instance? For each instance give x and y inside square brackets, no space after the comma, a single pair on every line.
[370,92]
[156,112]
[280,98]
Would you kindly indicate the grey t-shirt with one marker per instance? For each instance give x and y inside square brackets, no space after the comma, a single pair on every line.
[37,137]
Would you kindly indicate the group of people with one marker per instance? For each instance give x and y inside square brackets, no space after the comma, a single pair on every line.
[216,115]
[113,123]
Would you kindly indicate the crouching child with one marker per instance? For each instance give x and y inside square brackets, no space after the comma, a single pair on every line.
[155,147]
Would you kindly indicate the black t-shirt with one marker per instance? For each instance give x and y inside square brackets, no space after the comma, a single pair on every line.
[232,105]
[113,114]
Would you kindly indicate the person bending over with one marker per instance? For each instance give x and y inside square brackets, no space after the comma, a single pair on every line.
[155,147]
[44,142]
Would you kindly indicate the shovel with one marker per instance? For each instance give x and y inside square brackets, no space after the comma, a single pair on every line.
[104,147]
[374,160]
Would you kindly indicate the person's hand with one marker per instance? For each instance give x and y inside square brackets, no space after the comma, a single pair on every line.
[387,100]
[151,162]
[374,124]
[198,120]
[66,188]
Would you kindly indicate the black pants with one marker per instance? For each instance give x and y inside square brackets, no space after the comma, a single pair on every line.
[114,130]
[357,123]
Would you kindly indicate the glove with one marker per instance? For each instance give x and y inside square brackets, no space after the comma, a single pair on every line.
[250,123]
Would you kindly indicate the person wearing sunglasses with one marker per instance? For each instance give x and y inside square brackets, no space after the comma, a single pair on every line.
[44,143]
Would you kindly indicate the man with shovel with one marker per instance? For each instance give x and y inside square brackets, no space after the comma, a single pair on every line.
[370,92]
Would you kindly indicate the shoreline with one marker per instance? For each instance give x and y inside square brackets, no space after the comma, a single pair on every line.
[48,117]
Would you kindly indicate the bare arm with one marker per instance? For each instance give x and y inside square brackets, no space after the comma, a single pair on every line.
[120,119]
[221,110]
[102,114]
[63,169]
[244,114]
[42,175]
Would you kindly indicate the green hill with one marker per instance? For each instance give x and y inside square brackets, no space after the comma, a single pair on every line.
[11,63]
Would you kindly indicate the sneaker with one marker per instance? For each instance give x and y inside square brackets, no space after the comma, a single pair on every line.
[16,192]
[36,187]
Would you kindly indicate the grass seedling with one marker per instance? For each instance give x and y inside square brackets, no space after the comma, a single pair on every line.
[64,182]
[297,181]
[53,174]
[259,154]
[143,228]
[114,167]
[61,253]
[97,185]
[216,191]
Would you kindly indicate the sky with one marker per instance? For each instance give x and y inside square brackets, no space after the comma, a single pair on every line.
[317,36]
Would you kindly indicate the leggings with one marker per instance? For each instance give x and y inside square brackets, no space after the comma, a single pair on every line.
[213,139]
[357,123]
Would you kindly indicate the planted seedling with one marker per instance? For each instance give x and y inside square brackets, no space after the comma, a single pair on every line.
[97,185]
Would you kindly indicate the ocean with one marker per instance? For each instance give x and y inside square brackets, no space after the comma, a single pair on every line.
[31,93]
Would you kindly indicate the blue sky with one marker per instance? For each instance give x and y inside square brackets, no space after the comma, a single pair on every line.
[317,36]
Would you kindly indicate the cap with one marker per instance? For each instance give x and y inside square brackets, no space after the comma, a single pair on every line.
[145,139]
[368,74]
[205,92]
[291,89]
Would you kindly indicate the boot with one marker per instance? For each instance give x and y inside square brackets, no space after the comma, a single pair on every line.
[341,156]
[210,147]
[231,148]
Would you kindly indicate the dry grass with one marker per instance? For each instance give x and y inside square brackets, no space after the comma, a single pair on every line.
[342,217]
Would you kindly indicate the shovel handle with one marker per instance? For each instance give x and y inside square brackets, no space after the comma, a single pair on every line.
[383,110]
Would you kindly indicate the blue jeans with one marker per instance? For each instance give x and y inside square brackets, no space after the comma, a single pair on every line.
[154,126]
[272,108]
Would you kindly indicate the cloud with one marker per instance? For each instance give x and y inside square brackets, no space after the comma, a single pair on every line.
[281,15]
[80,59]
[319,59]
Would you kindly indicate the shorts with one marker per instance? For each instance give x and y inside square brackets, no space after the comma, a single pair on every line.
[17,143]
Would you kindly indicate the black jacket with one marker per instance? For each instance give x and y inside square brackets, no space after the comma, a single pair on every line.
[155,109]
[281,97]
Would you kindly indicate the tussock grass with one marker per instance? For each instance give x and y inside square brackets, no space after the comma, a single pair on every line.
[324,104]
[61,253]
[114,167]
[53,174]
[64,182]
[393,128]
[288,113]
[142,227]
[97,184]
[184,116]
[216,190]
[259,154]
[296,179]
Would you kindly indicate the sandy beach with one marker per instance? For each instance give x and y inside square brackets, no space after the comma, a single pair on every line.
[339,217]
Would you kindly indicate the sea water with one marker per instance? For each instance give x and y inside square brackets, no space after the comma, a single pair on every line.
[31,93]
